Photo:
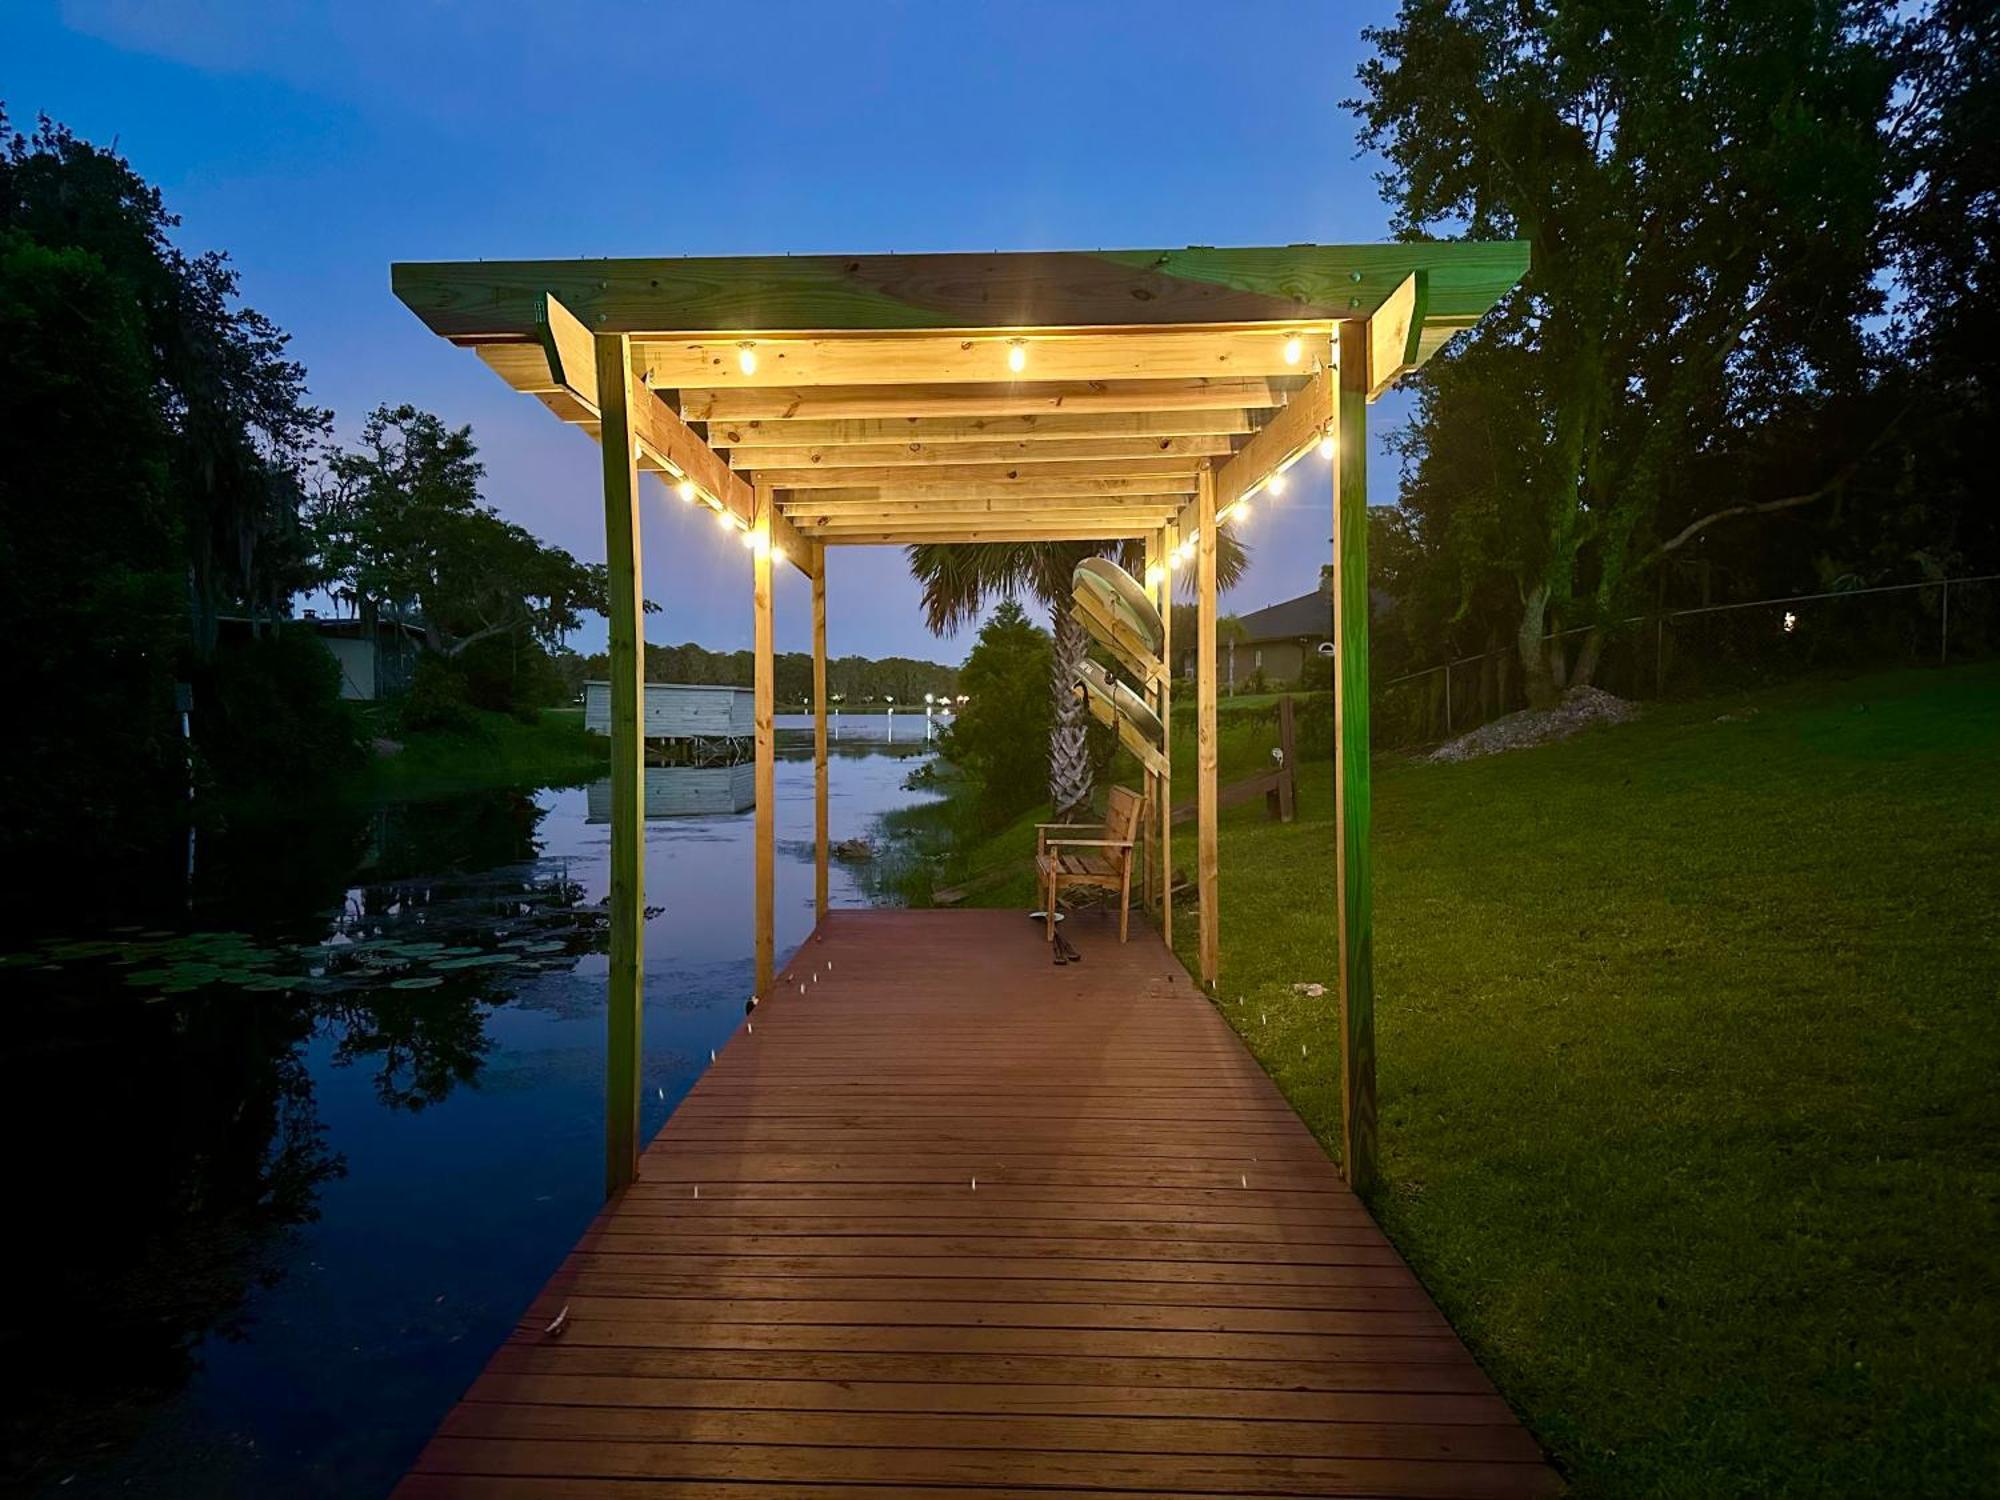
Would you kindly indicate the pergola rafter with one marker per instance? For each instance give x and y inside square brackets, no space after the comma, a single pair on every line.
[822,401]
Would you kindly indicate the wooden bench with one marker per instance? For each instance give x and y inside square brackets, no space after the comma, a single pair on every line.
[1102,857]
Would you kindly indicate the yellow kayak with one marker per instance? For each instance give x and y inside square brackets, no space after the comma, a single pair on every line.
[1122,597]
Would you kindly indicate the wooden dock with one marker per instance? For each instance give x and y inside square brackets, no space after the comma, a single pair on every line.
[955,1220]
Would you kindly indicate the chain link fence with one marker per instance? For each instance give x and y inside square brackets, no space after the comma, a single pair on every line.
[1686,653]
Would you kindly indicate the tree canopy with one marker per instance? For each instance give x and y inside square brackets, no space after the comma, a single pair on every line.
[1707,189]
[400,526]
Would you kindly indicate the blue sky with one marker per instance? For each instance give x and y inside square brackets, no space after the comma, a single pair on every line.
[317,143]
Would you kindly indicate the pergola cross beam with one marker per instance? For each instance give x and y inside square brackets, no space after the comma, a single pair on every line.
[659,432]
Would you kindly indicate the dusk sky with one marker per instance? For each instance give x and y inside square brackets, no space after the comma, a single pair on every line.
[318,143]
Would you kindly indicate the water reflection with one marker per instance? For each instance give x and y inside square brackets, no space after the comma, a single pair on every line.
[298,1155]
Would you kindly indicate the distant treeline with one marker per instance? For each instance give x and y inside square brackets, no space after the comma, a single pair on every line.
[852,679]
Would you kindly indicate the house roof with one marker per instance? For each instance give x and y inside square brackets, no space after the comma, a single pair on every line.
[1308,615]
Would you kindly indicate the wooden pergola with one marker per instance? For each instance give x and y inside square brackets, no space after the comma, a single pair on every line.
[822,401]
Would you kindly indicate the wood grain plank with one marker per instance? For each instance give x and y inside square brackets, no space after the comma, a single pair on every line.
[1040,1230]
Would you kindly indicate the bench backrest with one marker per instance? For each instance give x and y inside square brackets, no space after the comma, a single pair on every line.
[1121,813]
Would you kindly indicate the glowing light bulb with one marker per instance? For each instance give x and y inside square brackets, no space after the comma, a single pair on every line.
[746,359]
[1240,511]
[750,539]
[1326,446]
[1154,573]
[1276,484]
[1293,350]
[685,489]
[1174,560]
[723,518]
[1017,356]
[777,553]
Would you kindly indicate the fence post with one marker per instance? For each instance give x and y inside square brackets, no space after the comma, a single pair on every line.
[1447,695]
[1944,626]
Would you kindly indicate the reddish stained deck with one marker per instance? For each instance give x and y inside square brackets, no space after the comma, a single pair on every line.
[1159,1286]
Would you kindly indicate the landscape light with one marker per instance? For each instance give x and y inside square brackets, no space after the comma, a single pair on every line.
[1017,356]
[746,358]
[685,489]
[1293,350]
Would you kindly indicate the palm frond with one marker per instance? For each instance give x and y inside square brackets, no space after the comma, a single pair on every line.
[959,579]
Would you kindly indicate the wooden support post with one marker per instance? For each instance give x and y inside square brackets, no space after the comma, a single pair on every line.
[1281,800]
[764,676]
[1169,539]
[628,757]
[819,729]
[1157,787]
[1353,899]
[1206,881]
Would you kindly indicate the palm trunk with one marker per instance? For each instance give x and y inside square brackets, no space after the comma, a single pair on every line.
[1069,750]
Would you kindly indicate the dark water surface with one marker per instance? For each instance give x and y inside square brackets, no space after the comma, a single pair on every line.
[287,1164]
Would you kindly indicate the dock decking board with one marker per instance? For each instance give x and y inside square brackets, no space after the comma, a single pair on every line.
[1159,1284]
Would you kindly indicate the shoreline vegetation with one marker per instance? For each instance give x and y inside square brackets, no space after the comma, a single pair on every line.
[495,749]
[1688,1118]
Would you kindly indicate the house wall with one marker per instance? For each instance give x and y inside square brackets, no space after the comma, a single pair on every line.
[357,666]
[678,710]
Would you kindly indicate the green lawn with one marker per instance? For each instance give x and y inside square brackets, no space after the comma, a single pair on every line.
[1690,1074]
[500,750]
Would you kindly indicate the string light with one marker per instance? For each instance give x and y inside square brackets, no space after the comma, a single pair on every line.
[1326,447]
[1240,511]
[1293,350]
[750,540]
[685,489]
[1174,560]
[1276,483]
[1017,356]
[1154,573]
[723,518]
[777,553]
[746,358]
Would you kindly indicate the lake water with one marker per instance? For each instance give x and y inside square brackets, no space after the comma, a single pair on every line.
[287,1164]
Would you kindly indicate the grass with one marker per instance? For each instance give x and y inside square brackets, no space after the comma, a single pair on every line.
[500,751]
[1688,1048]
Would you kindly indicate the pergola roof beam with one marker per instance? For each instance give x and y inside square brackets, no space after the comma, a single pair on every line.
[1078,451]
[804,504]
[973,357]
[489,299]
[1012,472]
[1048,399]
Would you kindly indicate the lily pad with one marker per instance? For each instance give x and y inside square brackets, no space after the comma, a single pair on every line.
[427,982]
[482,961]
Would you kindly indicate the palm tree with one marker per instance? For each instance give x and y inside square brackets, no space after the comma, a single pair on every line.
[960,579]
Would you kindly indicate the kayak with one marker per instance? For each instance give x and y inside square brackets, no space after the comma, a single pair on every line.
[1122,597]
[1120,701]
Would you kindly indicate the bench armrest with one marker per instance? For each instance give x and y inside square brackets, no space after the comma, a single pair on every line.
[1042,831]
[1090,843]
